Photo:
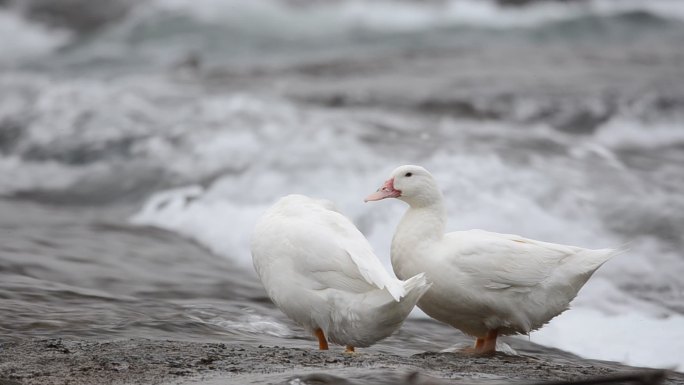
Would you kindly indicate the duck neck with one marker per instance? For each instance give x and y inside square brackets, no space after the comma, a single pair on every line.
[420,225]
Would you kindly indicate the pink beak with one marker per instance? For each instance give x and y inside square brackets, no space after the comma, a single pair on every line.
[386,191]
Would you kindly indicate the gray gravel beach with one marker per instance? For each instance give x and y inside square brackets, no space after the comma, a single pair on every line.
[142,361]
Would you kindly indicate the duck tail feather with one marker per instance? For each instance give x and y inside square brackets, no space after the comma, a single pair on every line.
[416,286]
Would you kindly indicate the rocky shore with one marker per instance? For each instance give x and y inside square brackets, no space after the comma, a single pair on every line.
[145,361]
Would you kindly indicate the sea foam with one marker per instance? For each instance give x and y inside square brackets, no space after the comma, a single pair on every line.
[21,39]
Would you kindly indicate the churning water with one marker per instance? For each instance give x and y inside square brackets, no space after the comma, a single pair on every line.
[557,121]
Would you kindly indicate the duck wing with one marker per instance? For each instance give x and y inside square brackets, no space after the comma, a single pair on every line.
[513,263]
[323,244]
[352,244]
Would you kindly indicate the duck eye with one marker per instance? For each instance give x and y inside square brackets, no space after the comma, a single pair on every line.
[408,174]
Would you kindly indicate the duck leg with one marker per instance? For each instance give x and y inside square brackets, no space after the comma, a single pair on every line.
[322,341]
[475,349]
[349,349]
[489,345]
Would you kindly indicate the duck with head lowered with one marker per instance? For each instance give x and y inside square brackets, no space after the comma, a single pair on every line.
[319,269]
[485,284]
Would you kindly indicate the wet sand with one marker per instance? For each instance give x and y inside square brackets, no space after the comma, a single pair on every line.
[145,361]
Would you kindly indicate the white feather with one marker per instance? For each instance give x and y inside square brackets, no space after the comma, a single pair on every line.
[482,280]
[321,271]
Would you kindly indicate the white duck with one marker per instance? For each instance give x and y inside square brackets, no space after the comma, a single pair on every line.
[321,272]
[485,284]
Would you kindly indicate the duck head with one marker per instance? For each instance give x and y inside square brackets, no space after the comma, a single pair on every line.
[411,184]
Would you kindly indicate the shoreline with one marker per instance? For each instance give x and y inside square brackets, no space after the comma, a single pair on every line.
[147,361]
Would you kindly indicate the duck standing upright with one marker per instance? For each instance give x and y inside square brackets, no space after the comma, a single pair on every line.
[485,284]
[321,272]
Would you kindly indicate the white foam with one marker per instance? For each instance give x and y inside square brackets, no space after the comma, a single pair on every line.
[630,133]
[248,321]
[668,9]
[218,224]
[21,175]
[166,32]
[406,16]
[632,338]
[21,39]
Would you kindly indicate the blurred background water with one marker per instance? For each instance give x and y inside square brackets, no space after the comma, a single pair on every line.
[556,120]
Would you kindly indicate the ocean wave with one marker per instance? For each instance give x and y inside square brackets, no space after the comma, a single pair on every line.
[167,32]
[631,337]
[163,32]
[407,15]
[21,40]
[238,152]
[84,127]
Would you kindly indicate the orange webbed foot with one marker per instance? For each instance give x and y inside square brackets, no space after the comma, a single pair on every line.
[322,341]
